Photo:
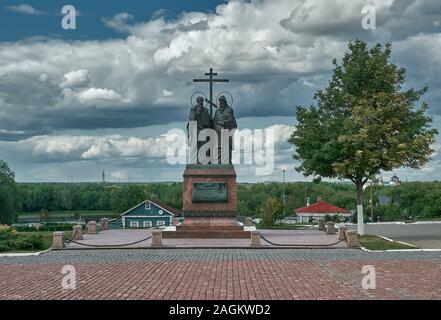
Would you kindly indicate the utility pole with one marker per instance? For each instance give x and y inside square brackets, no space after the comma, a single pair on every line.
[306,194]
[104,177]
[372,204]
[284,197]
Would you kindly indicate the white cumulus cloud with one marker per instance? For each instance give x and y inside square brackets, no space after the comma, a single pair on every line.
[75,78]
[24,9]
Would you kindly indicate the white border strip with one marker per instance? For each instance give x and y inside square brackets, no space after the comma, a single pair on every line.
[402,242]
[400,250]
[26,254]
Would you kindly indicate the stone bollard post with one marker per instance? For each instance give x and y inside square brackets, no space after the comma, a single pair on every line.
[321,224]
[78,232]
[330,227]
[175,221]
[249,222]
[91,227]
[58,240]
[104,224]
[156,238]
[352,239]
[342,232]
[255,238]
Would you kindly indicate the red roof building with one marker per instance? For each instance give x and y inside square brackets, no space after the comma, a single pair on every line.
[318,210]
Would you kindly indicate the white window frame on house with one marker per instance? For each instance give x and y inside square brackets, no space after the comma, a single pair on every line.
[162,223]
[147,224]
[134,224]
[147,205]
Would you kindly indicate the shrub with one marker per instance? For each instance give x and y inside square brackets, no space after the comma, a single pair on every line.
[57,227]
[29,242]
[4,247]
[5,228]
[5,233]
[44,214]
[11,240]
[46,227]
[270,211]
[25,228]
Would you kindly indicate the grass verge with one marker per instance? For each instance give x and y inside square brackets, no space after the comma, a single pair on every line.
[371,242]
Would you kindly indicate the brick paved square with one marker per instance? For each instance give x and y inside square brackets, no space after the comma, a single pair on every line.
[222,274]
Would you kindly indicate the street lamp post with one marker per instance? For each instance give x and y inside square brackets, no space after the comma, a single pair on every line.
[284,197]
[372,203]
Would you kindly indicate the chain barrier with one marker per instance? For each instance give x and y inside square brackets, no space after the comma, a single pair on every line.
[106,245]
[111,245]
[300,245]
[305,228]
[73,237]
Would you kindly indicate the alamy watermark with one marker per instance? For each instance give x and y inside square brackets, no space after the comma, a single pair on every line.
[369,281]
[250,147]
[69,281]
[369,21]
[69,20]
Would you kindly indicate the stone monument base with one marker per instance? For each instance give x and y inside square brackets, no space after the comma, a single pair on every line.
[209,204]
[207,232]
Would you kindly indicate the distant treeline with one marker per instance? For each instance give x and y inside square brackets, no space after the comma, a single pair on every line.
[411,199]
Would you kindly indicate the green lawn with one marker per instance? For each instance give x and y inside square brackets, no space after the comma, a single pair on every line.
[377,243]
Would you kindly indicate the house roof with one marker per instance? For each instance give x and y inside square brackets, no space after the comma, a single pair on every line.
[162,205]
[175,212]
[321,207]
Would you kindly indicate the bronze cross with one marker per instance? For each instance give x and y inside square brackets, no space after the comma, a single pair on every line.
[211,80]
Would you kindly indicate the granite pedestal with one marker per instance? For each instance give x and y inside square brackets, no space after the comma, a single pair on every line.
[209,204]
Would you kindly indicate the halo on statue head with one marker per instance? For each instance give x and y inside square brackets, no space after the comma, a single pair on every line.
[194,102]
[227,95]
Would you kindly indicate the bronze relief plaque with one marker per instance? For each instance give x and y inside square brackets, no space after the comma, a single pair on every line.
[209,192]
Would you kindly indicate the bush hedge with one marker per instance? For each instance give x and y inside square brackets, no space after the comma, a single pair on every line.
[11,240]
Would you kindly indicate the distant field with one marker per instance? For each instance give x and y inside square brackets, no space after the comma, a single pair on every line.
[70,214]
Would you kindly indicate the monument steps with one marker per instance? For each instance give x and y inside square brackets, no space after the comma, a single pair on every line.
[184,227]
[206,234]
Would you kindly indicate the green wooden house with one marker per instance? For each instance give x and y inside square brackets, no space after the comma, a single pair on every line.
[148,214]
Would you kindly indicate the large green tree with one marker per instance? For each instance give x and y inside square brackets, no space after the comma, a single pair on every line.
[363,122]
[270,211]
[8,194]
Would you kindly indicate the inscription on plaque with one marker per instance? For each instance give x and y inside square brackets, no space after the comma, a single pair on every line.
[209,192]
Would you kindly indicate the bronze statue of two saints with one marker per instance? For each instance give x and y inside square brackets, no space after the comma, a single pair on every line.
[209,188]
[211,138]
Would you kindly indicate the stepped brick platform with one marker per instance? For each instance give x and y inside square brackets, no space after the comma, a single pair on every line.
[207,233]
[208,228]
[183,227]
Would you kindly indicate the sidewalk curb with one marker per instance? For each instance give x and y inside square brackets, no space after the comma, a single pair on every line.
[402,250]
[26,254]
[402,242]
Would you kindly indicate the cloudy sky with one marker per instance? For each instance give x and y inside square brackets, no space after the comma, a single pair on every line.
[104,96]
